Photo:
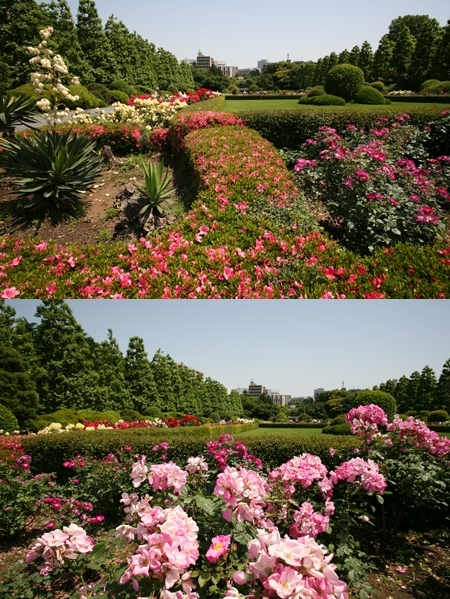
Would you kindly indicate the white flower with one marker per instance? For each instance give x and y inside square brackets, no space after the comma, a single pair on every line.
[44,104]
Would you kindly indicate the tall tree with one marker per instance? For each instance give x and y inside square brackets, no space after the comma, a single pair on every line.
[139,376]
[427,42]
[427,389]
[162,373]
[402,55]
[366,60]
[440,67]
[443,388]
[344,57]
[354,55]
[17,389]
[113,389]
[413,391]
[94,43]
[67,376]
[401,395]
[381,67]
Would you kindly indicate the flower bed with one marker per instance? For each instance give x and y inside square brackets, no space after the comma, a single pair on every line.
[220,523]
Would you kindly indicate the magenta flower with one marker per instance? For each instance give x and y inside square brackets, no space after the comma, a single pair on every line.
[219,546]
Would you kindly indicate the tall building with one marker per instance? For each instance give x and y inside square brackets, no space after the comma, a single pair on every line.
[262,64]
[204,62]
[282,400]
[317,392]
[255,390]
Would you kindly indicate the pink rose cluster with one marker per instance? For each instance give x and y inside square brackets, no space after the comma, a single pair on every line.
[302,470]
[364,421]
[308,522]
[161,477]
[226,448]
[357,471]
[291,568]
[58,545]
[168,543]
[413,433]
[244,492]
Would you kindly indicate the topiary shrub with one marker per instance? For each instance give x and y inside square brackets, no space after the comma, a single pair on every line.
[28,91]
[92,415]
[100,91]
[337,429]
[317,90]
[387,101]
[338,420]
[441,87]
[64,417]
[143,89]
[130,415]
[303,100]
[122,86]
[369,95]
[8,422]
[281,417]
[384,400]
[118,96]
[85,98]
[344,80]
[326,100]
[429,82]
[438,416]
[379,85]
[153,412]
[304,417]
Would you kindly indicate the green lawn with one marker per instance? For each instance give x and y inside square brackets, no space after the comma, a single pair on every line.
[285,432]
[244,105]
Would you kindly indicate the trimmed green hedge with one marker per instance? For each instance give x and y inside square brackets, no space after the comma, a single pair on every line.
[263,97]
[291,128]
[289,425]
[48,452]
[421,99]
[439,428]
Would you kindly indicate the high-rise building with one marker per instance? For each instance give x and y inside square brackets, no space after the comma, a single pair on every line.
[204,62]
[255,390]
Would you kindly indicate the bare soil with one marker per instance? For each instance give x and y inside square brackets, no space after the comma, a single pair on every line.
[93,223]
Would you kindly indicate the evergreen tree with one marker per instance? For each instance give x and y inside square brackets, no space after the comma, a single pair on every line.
[381,68]
[413,391]
[366,60]
[94,43]
[442,397]
[440,67]
[427,42]
[20,23]
[318,73]
[427,389]
[139,377]
[65,39]
[401,394]
[333,60]
[354,55]
[344,57]
[17,389]
[163,378]
[113,389]
[402,54]
[67,376]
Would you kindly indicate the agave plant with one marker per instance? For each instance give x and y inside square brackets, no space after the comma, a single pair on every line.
[16,111]
[155,186]
[53,169]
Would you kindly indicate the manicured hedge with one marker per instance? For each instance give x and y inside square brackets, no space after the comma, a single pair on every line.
[421,99]
[439,428]
[264,97]
[48,452]
[290,425]
[291,128]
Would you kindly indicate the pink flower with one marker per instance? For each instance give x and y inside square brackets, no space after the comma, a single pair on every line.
[10,293]
[219,546]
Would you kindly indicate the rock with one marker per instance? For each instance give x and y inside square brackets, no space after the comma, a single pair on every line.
[107,154]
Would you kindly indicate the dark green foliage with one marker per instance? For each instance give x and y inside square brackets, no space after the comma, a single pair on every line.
[122,86]
[15,111]
[317,90]
[153,412]
[337,429]
[344,81]
[8,422]
[379,85]
[363,398]
[129,415]
[17,389]
[100,91]
[426,390]
[113,390]
[117,96]
[438,416]
[5,81]
[443,388]
[291,128]
[338,420]
[139,377]
[369,95]
[326,100]
[54,169]
[85,98]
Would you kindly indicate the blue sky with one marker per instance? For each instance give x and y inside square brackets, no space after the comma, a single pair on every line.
[241,32]
[293,346]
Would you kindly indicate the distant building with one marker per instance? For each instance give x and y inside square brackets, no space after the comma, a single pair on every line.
[255,390]
[300,399]
[318,391]
[281,400]
[244,71]
[189,61]
[204,62]
[262,65]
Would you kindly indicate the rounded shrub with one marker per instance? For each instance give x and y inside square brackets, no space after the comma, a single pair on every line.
[337,429]
[428,83]
[100,91]
[8,422]
[338,420]
[304,417]
[64,417]
[384,400]
[317,90]
[303,100]
[326,100]
[438,416]
[118,96]
[369,95]
[130,415]
[281,417]
[441,87]
[143,89]
[122,86]
[379,85]
[153,412]
[344,80]
[85,98]
[387,101]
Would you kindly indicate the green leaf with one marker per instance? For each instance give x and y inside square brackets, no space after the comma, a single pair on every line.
[203,579]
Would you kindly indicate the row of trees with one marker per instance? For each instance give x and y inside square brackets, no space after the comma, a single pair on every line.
[54,365]
[415,49]
[93,52]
